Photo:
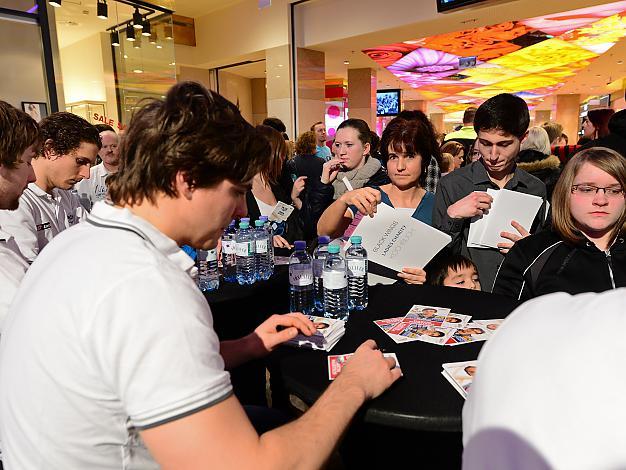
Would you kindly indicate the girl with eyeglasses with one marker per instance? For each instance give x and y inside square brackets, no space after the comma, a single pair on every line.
[584,251]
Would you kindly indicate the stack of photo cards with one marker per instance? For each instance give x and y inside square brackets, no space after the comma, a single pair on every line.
[460,375]
[436,325]
[336,363]
[328,333]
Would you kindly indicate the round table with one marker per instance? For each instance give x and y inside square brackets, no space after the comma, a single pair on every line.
[422,400]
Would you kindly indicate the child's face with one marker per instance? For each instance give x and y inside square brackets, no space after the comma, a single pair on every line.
[465,278]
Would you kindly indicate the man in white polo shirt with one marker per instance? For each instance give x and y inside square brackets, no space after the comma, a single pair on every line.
[94,188]
[47,207]
[549,388]
[92,371]
[19,139]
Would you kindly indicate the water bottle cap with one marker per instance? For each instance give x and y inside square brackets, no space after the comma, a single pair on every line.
[258,223]
[323,239]
[245,219]
[333,249]
[356,239]
[244,224]
[264,218]
[300,245]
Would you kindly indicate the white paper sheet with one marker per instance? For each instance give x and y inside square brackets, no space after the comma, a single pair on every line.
[507,206]
[396,240]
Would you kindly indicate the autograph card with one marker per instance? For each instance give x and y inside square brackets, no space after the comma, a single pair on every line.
[471,333]
[336,363]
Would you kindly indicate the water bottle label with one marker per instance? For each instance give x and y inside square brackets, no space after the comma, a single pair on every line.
[245,249]
[229,247]
[261,246]
[300,277]
[318,267]
[211,255]
[357,267]
[335,280]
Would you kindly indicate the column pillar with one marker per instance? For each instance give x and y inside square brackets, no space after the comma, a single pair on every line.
[437,120]
[414,105]
[259,100]
[541,116]
[362,95]
[310,75]
[278,79]
[567,114]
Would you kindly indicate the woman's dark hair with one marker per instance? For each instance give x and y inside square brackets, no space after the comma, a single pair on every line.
[417,115]
[361,127]
[439,269]
[193,131]
[18,131]
[410,137]
[375,142]
[306,143]
[503,112]
[103,128]
[278,153]
[600,117]
[63,133]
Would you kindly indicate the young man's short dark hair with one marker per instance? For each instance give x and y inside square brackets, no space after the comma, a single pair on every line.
[103,128]
[503,112]
[275,123]
[193,131]
[67,131]
[316,124]
[469,115]
[18,131]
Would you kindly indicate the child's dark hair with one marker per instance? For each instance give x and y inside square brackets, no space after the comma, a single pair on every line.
[439,271]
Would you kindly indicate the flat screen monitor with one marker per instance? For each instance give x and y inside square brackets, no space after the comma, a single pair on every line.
[387,102]
[445,5]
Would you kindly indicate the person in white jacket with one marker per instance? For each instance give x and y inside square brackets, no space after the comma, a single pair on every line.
[48,206]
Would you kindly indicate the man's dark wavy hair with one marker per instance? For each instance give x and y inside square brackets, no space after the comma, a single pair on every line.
[193,131]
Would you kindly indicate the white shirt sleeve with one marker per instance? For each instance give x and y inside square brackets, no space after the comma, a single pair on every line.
[21,225]
[154,343]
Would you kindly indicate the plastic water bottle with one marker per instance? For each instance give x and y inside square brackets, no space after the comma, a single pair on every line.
[208,272]
[300,280]
[335,285]
[246,265]
[229,254]
[319,256]
[270,235]
[356,260]
[261,250]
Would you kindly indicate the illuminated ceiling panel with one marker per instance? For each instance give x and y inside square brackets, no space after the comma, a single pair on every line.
[531,58]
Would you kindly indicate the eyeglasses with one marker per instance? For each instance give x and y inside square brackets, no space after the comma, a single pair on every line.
[589,190]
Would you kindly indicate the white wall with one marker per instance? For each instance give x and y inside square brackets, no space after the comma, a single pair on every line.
[237,90]
[83,72]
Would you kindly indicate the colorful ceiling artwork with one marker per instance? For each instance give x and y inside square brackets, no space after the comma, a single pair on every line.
[531,58]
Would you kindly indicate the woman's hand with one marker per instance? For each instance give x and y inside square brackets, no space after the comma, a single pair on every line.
[365,200]
[413,275]
[330,170]
[298,186]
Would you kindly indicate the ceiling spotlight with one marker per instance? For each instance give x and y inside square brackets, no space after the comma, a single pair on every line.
[159,46]
[130,32]
[115,39]
[137,19]
[138,71]
[346,62]
[55,3]
[103,9]
[146,28]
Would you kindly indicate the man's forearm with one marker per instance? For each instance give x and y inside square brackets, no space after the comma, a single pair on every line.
[238,351]
[308,441]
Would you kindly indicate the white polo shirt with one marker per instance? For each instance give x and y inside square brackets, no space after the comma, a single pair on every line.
[12,270]
[40,217]
[93,189]
[549,388]
[93,352]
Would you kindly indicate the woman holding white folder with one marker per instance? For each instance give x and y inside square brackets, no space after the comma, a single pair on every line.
[585,250]
[402,145]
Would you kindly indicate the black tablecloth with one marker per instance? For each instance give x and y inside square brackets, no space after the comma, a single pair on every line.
[421,400]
